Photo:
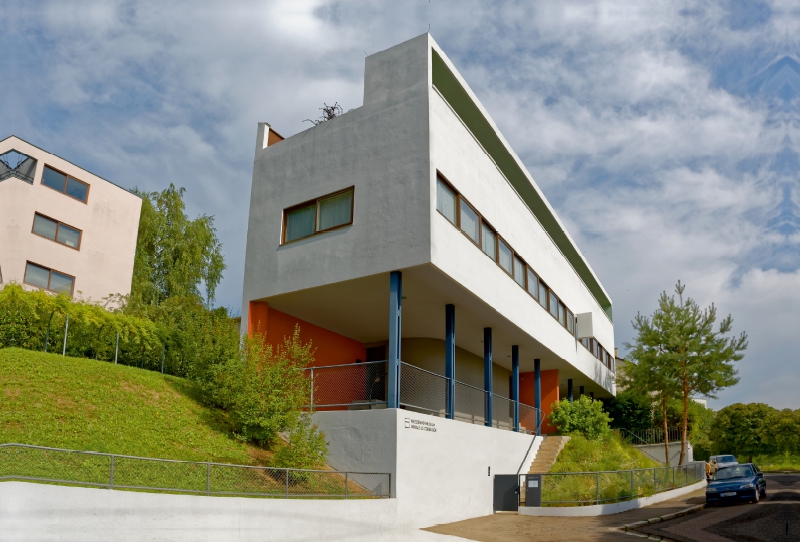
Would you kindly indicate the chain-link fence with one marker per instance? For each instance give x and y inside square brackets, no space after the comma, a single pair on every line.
[470,404]
[529,422]
[352,385]
[502,412]
[423,390]
[22,462]
[586,488]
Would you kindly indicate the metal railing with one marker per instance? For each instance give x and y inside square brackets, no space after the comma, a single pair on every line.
[358,386]
[352,385]
[23,462]
[654,435]
[602,487]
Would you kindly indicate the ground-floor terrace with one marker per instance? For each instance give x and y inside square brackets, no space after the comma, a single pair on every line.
[443,351]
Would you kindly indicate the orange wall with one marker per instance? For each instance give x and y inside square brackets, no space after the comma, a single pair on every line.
[330,348]
[527,393]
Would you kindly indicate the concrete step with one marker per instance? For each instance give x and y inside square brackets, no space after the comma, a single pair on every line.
[547,454]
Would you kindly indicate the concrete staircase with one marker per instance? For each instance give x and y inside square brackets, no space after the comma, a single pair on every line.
[546,454]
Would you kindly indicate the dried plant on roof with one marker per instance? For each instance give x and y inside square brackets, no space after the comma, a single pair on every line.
[328,112]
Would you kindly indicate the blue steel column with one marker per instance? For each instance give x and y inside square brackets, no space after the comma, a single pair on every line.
[395,321]
[515,384]
[487,373]
[580,392]
[450,359]
[569,389]
[537,388]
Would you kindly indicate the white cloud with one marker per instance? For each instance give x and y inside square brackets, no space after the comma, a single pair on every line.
[619,109]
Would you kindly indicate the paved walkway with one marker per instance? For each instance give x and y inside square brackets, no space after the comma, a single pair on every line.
[516,528]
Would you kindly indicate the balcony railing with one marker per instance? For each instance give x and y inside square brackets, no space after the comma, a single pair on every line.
[362,386]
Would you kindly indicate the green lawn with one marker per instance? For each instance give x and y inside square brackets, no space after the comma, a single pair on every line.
[775,463]
[82,404]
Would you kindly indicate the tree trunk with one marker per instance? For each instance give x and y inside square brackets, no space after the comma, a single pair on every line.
[685,423]
[666,435]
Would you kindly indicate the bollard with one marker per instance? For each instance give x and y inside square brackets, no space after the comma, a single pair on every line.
[116,349]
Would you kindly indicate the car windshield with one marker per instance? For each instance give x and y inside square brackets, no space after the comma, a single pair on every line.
[726,459]
[741,471]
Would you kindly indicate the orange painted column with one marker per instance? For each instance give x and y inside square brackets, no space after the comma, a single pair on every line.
[527,396]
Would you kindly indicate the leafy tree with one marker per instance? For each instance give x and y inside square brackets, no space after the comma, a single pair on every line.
[629,410]
[780,432]
[174,255]
[739,429]
[680,342]
[584,416]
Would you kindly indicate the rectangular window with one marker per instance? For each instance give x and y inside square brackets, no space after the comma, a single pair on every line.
[470,222]
[488,241]
[46,278]
[542,295]
[519,271]
[562,314]
[445,200]
[533,283]
[504,256]
[65,184]
[553,305]
[317,216]
[570,322]
[300,222]
[335,211]
[56,231]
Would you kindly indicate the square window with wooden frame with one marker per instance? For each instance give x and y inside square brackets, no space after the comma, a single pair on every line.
[319,215]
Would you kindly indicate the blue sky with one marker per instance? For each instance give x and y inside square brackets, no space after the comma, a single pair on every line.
[664,133]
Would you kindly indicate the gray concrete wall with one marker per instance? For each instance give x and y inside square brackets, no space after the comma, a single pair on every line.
[442,470]
[382,149]
[657,452]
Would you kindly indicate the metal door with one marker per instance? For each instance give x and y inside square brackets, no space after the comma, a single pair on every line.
[506,492]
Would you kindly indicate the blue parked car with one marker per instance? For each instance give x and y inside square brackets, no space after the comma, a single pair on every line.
[736,483]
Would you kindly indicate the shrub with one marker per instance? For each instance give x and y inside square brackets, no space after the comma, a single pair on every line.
[263,390]
[584,416]
[305,447]
[628,410]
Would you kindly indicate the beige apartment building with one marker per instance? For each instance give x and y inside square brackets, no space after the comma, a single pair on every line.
[62,228]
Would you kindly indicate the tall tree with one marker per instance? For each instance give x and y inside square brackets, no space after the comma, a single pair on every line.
[647,374]
[175,256]
[696,359]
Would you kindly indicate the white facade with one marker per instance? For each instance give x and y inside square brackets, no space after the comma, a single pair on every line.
[98,259]
[391,151]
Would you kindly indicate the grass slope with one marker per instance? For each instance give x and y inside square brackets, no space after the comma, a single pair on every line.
[83,404]
[608,453]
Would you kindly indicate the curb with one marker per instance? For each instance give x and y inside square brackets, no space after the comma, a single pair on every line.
[631,528]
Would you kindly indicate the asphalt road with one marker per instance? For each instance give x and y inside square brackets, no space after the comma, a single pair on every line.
[774,519]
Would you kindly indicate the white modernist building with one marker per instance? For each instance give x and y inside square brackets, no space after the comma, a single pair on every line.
[62,228]
[410,244]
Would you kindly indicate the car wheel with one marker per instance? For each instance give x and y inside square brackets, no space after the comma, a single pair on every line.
[757,497]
